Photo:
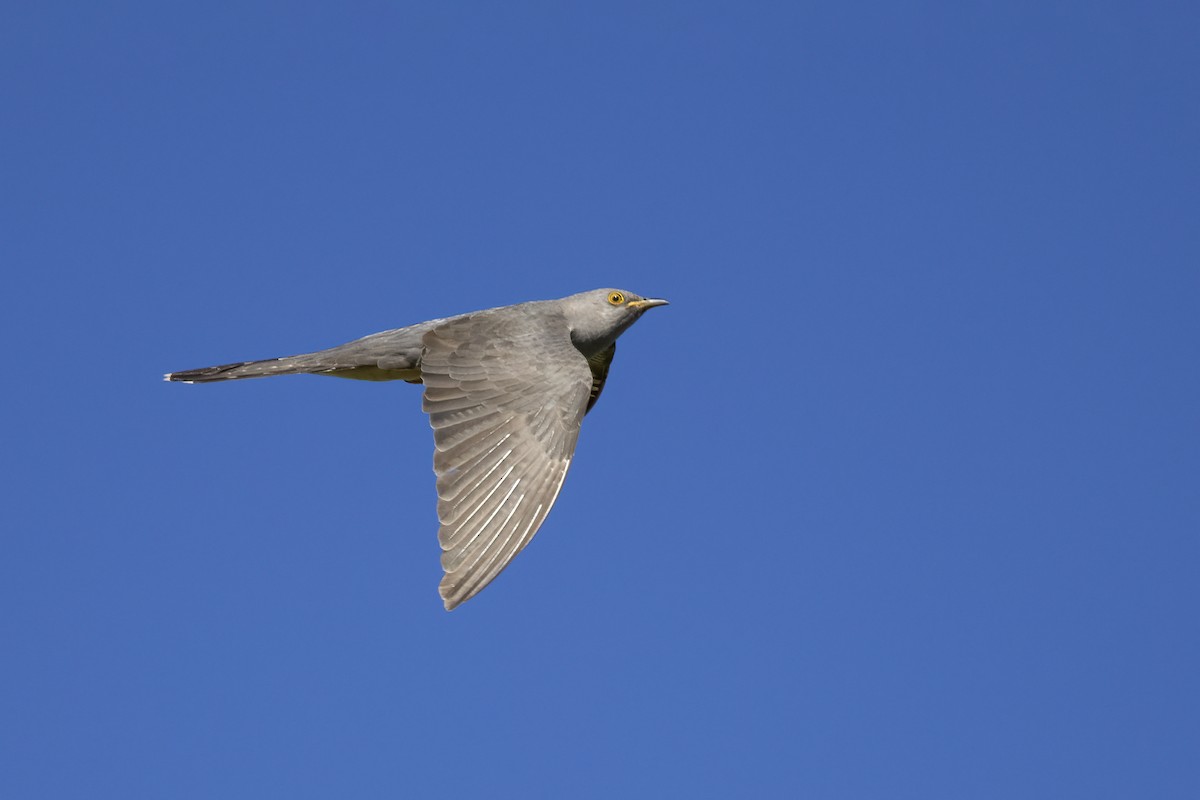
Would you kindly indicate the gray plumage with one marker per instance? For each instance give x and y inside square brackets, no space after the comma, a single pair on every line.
[505,390]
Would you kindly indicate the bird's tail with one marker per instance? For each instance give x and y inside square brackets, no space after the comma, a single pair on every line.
[288,365]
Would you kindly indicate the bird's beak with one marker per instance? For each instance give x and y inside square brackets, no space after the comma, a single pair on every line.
[649,302]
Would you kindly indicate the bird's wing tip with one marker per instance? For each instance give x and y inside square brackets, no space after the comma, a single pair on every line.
[447,599]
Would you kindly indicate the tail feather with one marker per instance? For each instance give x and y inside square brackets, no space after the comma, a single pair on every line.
[242,369]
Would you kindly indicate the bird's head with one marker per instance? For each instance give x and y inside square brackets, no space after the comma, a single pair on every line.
[598,317]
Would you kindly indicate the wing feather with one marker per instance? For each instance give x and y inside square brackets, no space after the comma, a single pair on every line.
[505,393]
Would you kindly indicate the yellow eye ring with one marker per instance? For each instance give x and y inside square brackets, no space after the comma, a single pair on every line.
[616,298]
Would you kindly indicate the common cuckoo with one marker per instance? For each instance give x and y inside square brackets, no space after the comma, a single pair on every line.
[505,390]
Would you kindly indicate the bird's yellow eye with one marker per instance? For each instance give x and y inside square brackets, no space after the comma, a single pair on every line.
[616,298]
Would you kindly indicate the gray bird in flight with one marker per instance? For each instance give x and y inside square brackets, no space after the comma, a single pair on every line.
[505,390]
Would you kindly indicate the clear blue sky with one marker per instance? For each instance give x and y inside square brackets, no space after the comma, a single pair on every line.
[899,498]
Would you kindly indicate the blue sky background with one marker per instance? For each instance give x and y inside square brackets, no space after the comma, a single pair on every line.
[898,498]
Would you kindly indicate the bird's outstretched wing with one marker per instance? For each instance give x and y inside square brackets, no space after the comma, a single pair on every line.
[505,394]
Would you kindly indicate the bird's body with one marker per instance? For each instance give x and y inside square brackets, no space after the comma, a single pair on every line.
[505,390]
